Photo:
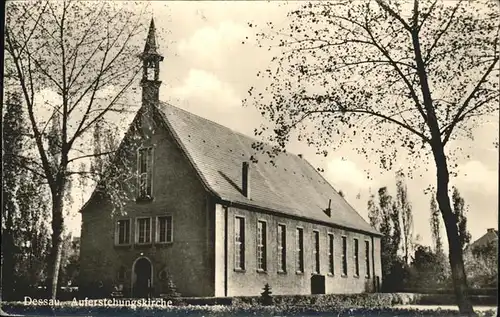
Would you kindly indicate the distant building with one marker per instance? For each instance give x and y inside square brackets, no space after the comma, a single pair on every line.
[491,236]
[216,223]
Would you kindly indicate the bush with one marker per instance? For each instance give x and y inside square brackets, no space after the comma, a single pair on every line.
[67,309]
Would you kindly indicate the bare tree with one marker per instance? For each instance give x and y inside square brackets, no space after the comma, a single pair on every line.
[85,54]
[412,76]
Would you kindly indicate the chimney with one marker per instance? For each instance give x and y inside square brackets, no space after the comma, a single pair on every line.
[491,230]
[245,179]
[299,155]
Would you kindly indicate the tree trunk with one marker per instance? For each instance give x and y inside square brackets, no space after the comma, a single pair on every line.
[455,249]
[57,231]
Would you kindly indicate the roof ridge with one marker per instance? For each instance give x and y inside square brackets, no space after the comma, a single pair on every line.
[286,152]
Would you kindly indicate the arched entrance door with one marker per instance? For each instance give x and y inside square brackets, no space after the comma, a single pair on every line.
[142,285]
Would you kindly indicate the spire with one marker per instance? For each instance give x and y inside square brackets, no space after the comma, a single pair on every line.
[151,59]
[150,47]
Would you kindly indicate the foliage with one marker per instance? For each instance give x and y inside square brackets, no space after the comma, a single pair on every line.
[482,265]
[404,205]
[171,291]
[266,297]
[435,222]
[385,217]
[370,308]
[460,211]
[25,234]
[73,62]
[428,269]
[407,77]
[70,262]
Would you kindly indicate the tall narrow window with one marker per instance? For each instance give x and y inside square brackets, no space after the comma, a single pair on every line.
[281,248]
[299,251]
[261,246]
[145,172]
[344,256]
[144,230]
[330,254]
[356,257]
[239,243]
[123,234]
[367,258]
[316,252]
[164,232]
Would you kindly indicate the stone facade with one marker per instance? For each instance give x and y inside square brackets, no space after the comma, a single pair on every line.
[251,281]
[198,257]
[188,259]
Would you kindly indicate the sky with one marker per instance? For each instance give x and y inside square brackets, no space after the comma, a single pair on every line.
[207,70]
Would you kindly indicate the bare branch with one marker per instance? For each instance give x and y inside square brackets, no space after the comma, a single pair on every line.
[393,14]
[92,155]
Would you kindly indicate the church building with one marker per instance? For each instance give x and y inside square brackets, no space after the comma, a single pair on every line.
[212,217]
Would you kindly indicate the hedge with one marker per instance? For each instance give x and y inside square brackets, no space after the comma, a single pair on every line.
[472,291]
[248,310]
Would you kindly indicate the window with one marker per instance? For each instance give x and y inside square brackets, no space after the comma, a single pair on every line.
[367,258]
[261,246]
[330,254]
[164,232]
[143,230]
[281,248]
[344,256]
[356,257]
[151,71]
[123,232]
[299,251]
[145,174]
[316,252]
[239,243]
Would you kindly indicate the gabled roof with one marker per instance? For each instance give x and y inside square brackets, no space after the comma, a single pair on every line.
[490,236]
[292,186]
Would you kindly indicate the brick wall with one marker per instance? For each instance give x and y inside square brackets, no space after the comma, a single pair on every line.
[251,282]
[176,191]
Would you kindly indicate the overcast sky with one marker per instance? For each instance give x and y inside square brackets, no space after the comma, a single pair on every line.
[208,71]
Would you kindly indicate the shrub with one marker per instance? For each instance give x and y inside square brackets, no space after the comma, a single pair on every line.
[266,298]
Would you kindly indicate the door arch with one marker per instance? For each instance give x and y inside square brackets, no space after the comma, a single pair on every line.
[142,277]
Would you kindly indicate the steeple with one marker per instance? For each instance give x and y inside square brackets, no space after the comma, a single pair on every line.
[150,47]
[151,59]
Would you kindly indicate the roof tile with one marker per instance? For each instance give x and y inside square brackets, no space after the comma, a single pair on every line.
[291,185]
